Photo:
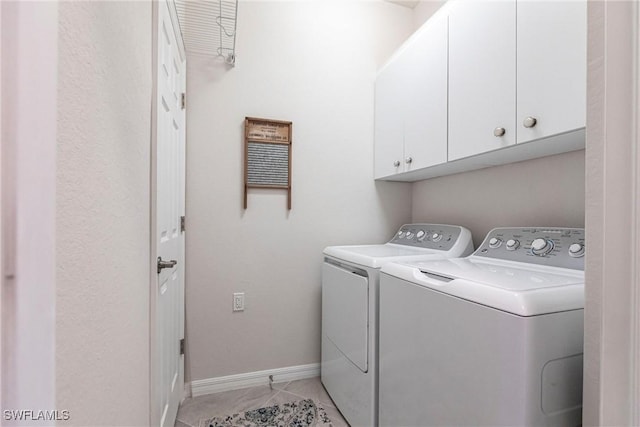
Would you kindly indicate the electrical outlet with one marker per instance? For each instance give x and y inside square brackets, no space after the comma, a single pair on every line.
[238,301]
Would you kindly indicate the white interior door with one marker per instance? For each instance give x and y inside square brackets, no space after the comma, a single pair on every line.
[170,169]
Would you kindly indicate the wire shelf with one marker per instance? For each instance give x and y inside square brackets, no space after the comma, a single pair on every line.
[209,27]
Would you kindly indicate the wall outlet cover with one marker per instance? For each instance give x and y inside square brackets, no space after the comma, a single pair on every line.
[238,301]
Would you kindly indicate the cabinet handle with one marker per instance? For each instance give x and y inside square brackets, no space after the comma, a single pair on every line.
[396,163]
[499,132]
[530,122]
[408,160]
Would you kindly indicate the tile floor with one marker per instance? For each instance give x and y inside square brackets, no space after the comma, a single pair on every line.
[193,410]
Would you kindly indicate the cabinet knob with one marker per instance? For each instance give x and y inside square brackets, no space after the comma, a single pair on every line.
[530,122]
[499,132]
[396,163]
[408,160]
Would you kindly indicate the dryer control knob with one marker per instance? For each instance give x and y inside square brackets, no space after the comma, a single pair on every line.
[541,246]
[420,235]
[436,237]
[576,250]
[512,244]
[495,242]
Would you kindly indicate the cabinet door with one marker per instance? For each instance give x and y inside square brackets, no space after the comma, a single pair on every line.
[425,130]
[482,76]
[552,61]
[389,120]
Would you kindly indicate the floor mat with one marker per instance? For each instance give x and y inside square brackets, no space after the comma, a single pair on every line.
[302,413]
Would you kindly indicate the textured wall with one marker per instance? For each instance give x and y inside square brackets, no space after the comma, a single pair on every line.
[313,63]
[544,192]
[102,305]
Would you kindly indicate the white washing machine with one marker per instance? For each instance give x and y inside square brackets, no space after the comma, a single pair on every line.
[350,278]
[492,339]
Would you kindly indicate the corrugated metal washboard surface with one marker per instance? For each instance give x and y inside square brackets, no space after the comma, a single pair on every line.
[209,27]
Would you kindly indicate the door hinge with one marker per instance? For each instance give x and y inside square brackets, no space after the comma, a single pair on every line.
[182,346]
[182,227]
[183,102]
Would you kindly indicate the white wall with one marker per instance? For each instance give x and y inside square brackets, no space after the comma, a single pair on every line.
[547,192]
[313,63]
[424,10]
[102,304]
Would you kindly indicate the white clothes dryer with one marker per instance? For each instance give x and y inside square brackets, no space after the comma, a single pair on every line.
[494,339]
[350,278]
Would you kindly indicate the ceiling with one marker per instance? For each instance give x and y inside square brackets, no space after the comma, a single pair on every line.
[407,3]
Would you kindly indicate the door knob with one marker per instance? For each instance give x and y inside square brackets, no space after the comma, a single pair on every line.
[408,160]
[165,264]
[499,132]
[396,163]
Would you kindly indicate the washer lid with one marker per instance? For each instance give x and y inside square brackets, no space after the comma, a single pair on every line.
[375,256]
[521,289]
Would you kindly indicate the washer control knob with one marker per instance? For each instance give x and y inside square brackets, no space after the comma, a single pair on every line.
[495,242]
[436,237]
[512,244]
[541,246]
[576,250]
[409,234]
[420,235]
[401,234]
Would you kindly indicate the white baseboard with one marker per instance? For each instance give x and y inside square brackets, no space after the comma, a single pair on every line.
[252,379]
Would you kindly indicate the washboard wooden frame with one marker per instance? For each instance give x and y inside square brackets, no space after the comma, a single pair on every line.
[267,155]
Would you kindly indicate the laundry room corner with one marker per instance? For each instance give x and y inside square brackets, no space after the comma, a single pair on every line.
[314,64]
[549,190]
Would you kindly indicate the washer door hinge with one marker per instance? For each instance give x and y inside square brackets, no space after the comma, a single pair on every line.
[182,346]
[183,101]
[182,228]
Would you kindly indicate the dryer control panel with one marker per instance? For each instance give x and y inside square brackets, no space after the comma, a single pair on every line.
[555,247]
[430,236]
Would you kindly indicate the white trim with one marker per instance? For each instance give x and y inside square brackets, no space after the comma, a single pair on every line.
[635,309]
[28,155]
[252,379]
[612,325]
[173,13]
[154,387]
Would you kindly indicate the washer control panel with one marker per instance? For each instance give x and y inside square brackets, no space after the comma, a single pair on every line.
[556,247]
[430,236]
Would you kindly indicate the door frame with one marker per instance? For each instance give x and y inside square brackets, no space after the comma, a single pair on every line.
[27,203]
[154,387]
[612,164]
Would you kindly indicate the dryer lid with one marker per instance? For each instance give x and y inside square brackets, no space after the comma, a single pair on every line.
[517,288]
[375,256]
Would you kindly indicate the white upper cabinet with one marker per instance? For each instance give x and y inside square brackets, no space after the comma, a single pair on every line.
[482,76]
[482,83]
[552,58]
[411,104]
[389,120]
[425,130]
